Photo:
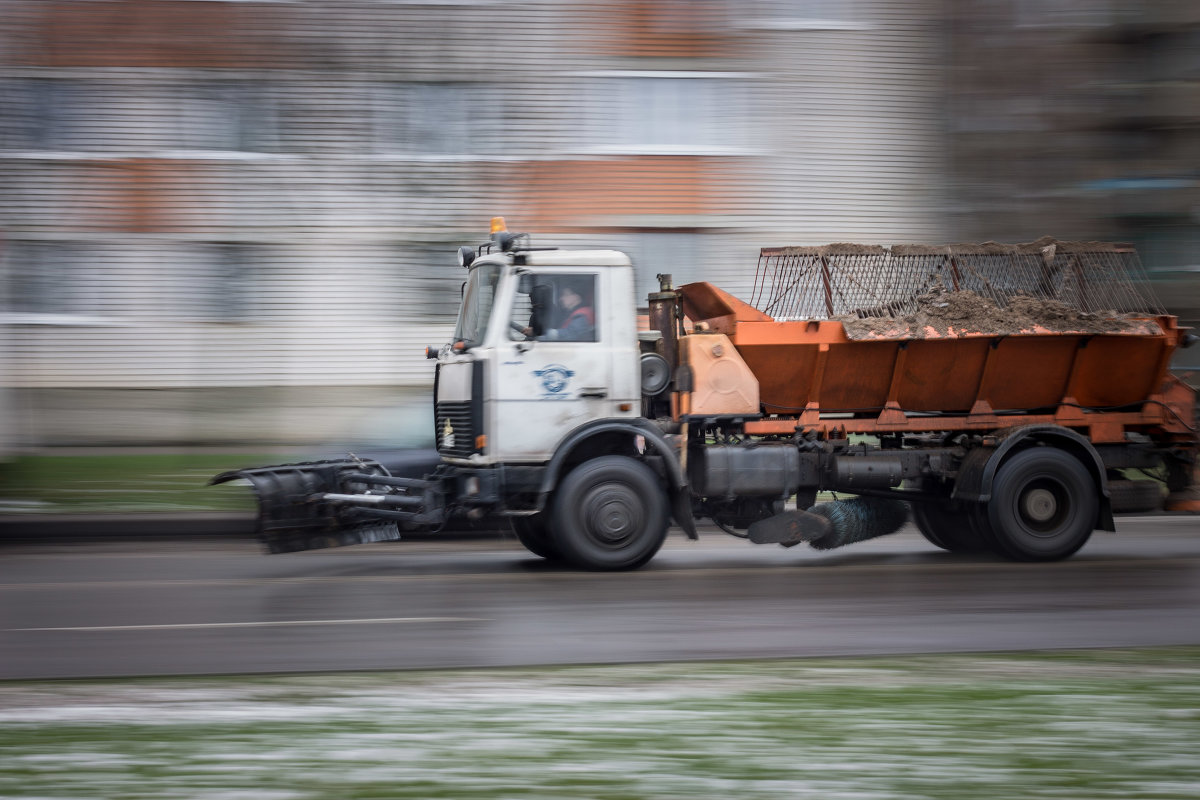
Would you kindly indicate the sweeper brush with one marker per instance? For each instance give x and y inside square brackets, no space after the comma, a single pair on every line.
[858,519]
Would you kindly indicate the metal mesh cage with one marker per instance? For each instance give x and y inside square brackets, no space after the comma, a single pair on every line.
[871,281]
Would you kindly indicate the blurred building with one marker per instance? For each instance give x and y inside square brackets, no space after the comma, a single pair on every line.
[1081,119]
[235,222]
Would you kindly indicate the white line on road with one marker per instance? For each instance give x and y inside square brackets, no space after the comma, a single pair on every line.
[262,624]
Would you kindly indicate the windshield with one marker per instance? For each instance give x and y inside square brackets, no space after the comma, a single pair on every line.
[477,303]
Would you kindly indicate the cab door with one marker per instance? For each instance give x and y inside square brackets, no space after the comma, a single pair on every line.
[554,368]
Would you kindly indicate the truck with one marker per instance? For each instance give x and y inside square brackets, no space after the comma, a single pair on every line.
[1003,396]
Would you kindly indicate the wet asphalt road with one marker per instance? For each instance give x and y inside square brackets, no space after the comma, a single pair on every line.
[222,607]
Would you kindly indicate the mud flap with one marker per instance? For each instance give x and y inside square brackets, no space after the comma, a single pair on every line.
[681,509]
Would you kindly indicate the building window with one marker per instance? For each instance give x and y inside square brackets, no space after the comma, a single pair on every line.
[43,114]
[228,117]
[1167,246]
[430,282]
[674,253]
[1173,56]
[221,285]
[40,278]
[664,113]
[1065,13]
[54,282]
[438,119]
[805,15]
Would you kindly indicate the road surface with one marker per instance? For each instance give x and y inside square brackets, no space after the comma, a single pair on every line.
[166,608]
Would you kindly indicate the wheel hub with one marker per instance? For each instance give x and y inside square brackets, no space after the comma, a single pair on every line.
[1039,505]
[613,515]
[613,518]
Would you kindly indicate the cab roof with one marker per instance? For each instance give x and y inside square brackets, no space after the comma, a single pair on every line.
[566,258]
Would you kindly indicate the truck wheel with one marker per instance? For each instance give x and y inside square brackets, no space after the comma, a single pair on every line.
[533,536]
[609,514]
[949,528]
[1044,506]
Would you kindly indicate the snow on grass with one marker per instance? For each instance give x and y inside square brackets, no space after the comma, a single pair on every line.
[1106,724]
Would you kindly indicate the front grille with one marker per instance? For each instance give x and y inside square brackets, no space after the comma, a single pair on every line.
[454,433]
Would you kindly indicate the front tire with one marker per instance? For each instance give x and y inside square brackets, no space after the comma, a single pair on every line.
[609,513]
[952,529]
[1044,506]
[532,534]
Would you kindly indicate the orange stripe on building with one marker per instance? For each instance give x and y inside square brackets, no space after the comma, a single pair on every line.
[567,194]
[137,195]
[154,33]
[661,28]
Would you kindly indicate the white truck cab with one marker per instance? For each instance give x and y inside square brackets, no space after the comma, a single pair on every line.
[546,342]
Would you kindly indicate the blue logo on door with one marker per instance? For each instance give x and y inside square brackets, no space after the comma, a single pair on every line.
[554,377]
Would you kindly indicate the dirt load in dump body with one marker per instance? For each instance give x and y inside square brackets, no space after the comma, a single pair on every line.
[942,312]
[982,332]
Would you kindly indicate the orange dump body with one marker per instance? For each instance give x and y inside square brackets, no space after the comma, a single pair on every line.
[812,374]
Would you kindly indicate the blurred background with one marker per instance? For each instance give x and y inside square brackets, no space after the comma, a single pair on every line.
[234,223]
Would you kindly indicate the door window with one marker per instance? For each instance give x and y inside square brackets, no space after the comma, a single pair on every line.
[554,307]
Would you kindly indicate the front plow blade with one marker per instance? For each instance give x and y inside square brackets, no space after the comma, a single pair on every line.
[318,504]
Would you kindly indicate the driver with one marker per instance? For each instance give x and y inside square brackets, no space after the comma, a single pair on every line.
[578,325]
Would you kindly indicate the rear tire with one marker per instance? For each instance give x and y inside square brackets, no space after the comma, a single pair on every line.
[948,527]
[609,513]
[532,534]
[1044,506]
[1131,497]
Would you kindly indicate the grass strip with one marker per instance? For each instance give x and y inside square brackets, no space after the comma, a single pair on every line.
[125,483]
[1093,724]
